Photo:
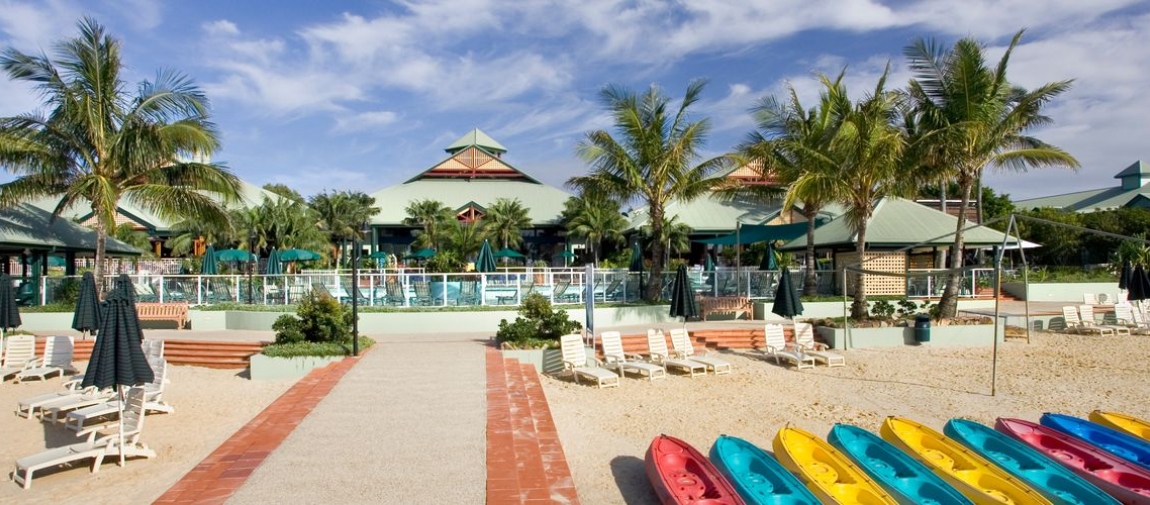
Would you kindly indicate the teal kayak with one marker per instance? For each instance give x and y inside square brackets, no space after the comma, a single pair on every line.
[1052,480]
[906,479]
[757,476]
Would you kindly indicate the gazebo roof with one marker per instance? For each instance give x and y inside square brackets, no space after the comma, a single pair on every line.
[477,138]
[27,226]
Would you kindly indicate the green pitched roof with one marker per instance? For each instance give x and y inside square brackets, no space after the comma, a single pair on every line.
[476,138]
[1135,169]
[1087,201]
[28,226]
[713,214]
[544,203]
[899,223]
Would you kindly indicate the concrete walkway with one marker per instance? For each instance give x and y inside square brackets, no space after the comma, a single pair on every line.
[405,425]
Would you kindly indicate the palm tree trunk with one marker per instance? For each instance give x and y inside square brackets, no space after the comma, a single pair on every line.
[101,250]
[948,304]
[655,285]
[859,310]
[810,284]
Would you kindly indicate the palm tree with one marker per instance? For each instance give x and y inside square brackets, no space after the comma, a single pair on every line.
[594,219]
[859,166]
[676,235]
[99,143]
[342,215]
[504,220]
[431,216]
[128,234]
[652,160]
[973,117]
[185,234]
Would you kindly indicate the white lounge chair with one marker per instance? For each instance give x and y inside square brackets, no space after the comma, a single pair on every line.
[55,410]
[1135,317]
[1087,312]
[28,406]
[684,349]
[19,355]
[57,359]
[805,340]
[96,447]
[657,353]
[153,348]
[1074,323]
[1089,299]
[776,347]
[575,359]
[77,419]
[613,355]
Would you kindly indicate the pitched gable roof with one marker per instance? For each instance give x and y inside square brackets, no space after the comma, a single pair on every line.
[476,138]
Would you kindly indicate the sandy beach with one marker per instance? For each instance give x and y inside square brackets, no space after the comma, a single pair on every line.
[210,406]
[605,433]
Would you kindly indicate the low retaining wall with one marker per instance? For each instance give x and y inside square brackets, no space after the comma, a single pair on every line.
[1058,291]
[269,368]
[940,336]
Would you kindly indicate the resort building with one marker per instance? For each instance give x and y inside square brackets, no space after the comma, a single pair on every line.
[471,178]
[1132,191]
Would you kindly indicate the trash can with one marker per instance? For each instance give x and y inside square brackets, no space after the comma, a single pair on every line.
[922,328]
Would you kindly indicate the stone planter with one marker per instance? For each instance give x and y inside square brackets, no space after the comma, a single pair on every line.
[269,368]
[544,360]
[940,336]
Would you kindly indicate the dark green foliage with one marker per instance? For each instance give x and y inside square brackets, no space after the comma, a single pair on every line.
[538,325]
[882,309]
[296,349]
[320,318]
[67,292]
[907,308]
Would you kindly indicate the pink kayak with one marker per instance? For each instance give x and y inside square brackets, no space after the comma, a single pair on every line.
[682,476]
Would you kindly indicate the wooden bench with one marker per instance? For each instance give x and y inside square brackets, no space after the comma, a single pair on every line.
[733,304]
[152,311]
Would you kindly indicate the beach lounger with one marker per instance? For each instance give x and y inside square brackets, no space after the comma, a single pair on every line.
[575,360]
[776,347]
[1089,299]
[1087,312]
[1074,324]
[805,339]
[613,355]
[56,409]
[683,347]
[19,355]
[1137,319]
[78,419]
[99,444]
[657,353]
[26,407]
[57,359]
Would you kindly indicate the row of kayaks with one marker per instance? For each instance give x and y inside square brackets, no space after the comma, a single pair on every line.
[1059,460]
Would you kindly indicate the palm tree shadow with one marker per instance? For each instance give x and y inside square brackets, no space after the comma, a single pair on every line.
[631,477]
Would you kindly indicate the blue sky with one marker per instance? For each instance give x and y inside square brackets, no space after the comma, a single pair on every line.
[363,95]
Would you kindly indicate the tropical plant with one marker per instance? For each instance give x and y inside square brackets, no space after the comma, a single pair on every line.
[505,219]
[968,116]
[538,325]
[128,234]
[594,219]
[676,235]
[430,216]
[342,215]
[464,239]
[652,159]
[99,143]
[319,318]
[186,233]
[284,191]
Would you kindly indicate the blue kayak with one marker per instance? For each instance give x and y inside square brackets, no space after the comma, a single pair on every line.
[1115,442]
[1054,481]
[757,476]
[906,479]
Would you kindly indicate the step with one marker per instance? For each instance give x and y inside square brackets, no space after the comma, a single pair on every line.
[210,353]
[209,362]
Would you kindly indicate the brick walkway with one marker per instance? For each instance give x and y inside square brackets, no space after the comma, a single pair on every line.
[219,475]
[525,460]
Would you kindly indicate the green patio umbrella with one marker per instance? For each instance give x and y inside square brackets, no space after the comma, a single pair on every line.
[683,297]
[57,261]
[708,262]
[298,255]
[566,255]
[485,261]
[208,265]
[787,303]
[234,255]
[637,263]
[86,318]
[509,253]
[421,254]
[378,255]
[9,310]
[274,266]
[770,262]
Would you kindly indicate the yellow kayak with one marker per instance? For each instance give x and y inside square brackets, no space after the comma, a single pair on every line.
[826,472]
[975,477]
[1122,422]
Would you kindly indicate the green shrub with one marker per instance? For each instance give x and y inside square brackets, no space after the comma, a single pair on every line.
[882,309]
[320,318]
[538,325]
[297,349]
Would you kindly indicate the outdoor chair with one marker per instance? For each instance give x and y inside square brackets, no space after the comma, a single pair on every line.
[19,355]
[423,294]
[683,347]
[613,355]
[1076,325]
[468,293]
[560,294]
[77,420]
[805,341]
[575,360]
[614,290]
[26,294]
[657,353]
[1089,299]
[71,389]
[218,291]
[57,359]
[1087,312]
[776,347]
[524,289]
[395,293]
[99,444]
[145,293]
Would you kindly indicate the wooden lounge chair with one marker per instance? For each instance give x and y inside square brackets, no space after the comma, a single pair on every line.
[57,359]
[575,360]
[657,353]
[19,355]
[613,355]
[805,340]
[99,444]
[776,347]
[1087,312]
[683,347]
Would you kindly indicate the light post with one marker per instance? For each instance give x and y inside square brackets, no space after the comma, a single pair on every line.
[355,253]
[251,267]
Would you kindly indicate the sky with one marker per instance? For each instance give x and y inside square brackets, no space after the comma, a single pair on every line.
[361,95]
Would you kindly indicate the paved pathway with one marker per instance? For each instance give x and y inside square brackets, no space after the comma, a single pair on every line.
[405,425]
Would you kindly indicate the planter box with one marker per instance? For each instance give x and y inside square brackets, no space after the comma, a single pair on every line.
[940,336]
[544,360]
[269,368]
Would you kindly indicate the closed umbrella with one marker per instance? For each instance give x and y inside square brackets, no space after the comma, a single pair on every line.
[208,266]
[787,303]
[125,283]
[86,318]
[683,297]
[9,310]
[274,266]
[117,358]
[1124,275]
[1139,288]
[769,260]
[485,261]
[637,263]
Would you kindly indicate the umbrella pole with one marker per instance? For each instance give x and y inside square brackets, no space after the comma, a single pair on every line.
[121,449]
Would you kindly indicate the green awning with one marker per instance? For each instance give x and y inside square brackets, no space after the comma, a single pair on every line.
[753,233]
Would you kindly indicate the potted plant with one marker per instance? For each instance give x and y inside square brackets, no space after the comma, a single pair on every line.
[534,335]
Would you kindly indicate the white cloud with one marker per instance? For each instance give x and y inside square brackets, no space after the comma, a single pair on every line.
[366,120]
[34,26]
[221,27]
[143,14]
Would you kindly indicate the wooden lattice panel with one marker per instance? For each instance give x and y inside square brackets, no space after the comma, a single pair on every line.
[472,161]
[894,262]
[120,219]
[921,261]
[752,173]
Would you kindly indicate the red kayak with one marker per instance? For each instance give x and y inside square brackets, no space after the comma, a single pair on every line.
[682,476]
[1117,477]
